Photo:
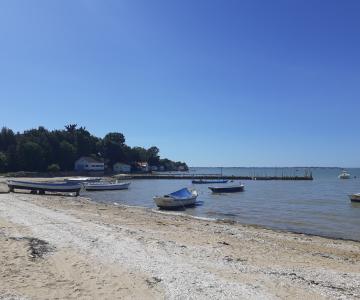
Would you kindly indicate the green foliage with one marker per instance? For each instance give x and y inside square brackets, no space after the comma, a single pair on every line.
[53,168]
[40,150]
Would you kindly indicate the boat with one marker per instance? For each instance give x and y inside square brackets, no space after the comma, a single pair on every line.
[106,186]
[355,197]
[227,188]
[209,181]
[179,199]
[42,187]
[83,179]
[344,175]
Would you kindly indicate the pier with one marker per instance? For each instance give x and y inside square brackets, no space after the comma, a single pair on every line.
[217,176]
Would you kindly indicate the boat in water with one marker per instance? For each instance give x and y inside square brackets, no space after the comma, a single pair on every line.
[209,181]
[42,187]
[355,197]
[344,175]
[179,199]
[106,186]
[83,179]
[227,188]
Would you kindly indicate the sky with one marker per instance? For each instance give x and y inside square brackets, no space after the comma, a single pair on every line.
[209,82]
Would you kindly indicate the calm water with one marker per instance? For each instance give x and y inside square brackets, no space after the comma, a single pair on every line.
[318,207]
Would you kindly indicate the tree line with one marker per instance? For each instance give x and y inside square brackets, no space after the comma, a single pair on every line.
[39,150]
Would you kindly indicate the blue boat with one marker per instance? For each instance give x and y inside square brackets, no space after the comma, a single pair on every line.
[178,199]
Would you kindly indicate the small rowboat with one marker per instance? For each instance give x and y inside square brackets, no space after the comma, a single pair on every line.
[209,181]
[231,188]
[42,187]
[355,197]
[178,199]
[106,186]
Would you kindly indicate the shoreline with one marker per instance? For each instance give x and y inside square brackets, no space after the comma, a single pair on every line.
[149,255]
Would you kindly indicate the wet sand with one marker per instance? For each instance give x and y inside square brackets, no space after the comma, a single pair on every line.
[56,247]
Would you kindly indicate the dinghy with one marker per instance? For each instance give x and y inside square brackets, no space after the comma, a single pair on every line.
[355,197]
[227,188]
[42,187]
[178,199]
[106,186]
[209,181]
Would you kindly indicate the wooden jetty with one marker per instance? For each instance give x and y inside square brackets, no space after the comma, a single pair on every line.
[197,176]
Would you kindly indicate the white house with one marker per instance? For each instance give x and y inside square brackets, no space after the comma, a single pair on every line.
[121,168]
[86,163]
[143,166]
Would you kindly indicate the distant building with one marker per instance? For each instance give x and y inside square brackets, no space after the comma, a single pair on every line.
[181,168]
[161,168]
[154,168]
[143,166]
[121,168]
[86,163]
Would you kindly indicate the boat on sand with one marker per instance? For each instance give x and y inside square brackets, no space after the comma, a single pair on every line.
[42,187]
[227,188]
[106,186]
[179,199]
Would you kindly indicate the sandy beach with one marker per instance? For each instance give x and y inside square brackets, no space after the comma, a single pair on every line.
[57,247]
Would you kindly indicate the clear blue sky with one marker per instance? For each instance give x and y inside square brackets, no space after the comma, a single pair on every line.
[212,83]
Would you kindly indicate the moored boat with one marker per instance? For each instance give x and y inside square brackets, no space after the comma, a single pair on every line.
[179,199]
[209,181]
[227,188]
[42,187]
[344,175]
[106,186]
[355,197]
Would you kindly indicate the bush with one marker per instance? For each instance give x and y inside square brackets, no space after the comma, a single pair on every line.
[53,168]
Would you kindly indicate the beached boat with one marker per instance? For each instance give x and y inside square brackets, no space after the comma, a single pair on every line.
[83,179]
[106,186]
[227,188]
[355,197]
[209,181]
[178,199]
[42,187]
[344,175]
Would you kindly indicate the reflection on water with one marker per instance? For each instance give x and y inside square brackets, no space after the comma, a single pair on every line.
[317,207]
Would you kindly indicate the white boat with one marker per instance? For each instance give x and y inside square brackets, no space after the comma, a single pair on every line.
[42,187]
[178,199]
[83,179]
[344,175]
[106,186]
[355,197]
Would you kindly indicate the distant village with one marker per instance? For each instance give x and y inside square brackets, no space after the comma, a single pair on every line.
[90,164]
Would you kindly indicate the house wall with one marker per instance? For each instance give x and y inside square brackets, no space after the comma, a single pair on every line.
[83,165]
[122,168]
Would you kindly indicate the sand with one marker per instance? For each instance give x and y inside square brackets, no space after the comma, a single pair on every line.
[56,247]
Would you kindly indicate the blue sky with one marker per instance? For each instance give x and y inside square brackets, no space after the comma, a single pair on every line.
[212,83]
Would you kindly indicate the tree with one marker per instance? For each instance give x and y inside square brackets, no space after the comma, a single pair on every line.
[67,155]
[7,139]
[114,144]
[3,162]
[30,156]
[153,156]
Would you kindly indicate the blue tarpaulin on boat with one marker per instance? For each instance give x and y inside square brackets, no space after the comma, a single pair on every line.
[181,194]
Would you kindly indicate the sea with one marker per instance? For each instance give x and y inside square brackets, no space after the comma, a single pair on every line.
[318,207]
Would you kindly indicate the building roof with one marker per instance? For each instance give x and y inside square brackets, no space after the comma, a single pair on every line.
[90,159]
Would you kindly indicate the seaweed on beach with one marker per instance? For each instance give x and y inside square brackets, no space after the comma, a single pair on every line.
[37,248]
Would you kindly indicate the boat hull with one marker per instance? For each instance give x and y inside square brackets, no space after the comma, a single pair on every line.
[107,187]
[227,189]
[355,198]
[44,186]
[171,203]
[201,181]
